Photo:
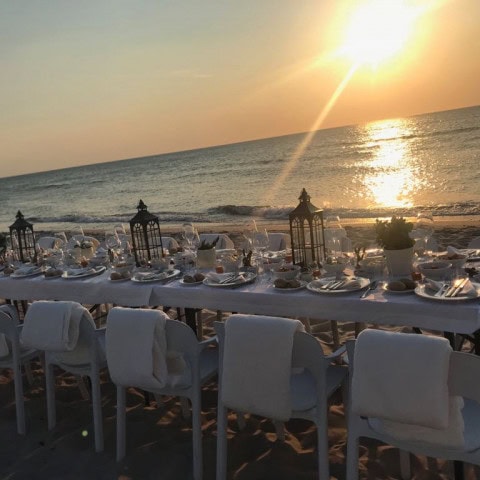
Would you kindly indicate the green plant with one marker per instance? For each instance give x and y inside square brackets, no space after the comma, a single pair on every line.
[207,245]
[394,234]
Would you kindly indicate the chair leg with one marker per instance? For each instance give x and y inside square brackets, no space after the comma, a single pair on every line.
[352,456]
[335,334]
[121,407]
[221,442]
[280,430]
[199,325]
[19,401]
[405,470]
[197,436]
[50,393]
[97,411]
[322,440]
[185,407]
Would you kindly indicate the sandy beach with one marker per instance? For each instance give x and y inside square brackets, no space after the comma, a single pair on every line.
[159,438]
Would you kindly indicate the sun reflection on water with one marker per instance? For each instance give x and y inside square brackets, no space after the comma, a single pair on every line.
[394,178]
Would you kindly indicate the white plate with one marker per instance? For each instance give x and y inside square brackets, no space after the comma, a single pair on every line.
[154,277]
[386,289]
[249,278]
[421,291]
[316,285]
[87,272]
[19,274]
[303,284]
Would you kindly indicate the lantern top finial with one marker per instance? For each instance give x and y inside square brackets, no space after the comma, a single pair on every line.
[141,205]
[304,196]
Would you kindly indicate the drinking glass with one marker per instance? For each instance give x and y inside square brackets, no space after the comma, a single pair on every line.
[249,232]
[188,233]
[424,227]
[333,233]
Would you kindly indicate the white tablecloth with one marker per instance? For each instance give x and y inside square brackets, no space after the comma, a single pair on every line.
[379,308]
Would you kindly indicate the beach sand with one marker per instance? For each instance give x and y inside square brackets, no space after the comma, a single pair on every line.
[159,438]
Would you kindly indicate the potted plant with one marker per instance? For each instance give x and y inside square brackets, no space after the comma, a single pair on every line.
[394,236]
[206,254]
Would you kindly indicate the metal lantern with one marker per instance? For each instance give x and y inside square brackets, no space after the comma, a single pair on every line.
[22,239]
[306,231]
[146,236]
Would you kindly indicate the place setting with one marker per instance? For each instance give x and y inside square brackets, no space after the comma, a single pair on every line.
[455,290]
[82,272]
[228,280]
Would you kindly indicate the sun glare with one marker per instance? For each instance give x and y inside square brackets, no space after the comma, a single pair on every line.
[378,30]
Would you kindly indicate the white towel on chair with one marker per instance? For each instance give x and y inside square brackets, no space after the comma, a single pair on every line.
[136,347]
[402,378]
[52,326]
[257,364]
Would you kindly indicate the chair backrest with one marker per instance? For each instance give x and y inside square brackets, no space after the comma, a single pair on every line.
[169,242]
[278,241]
[474,243]
[224,241]
[159,348]
[49,242]
[306,353]
[64,330]
[461,369]
[83,238]
[432,244]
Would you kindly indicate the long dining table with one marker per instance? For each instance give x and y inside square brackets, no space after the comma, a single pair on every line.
[379,307]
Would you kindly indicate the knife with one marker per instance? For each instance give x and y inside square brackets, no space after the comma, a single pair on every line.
[372,286]
[442,291]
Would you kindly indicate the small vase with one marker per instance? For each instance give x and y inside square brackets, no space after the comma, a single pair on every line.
[399,262]
[206,258]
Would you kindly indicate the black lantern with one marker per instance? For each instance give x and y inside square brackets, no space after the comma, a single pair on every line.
[23,240]
[306,230]
[146,236]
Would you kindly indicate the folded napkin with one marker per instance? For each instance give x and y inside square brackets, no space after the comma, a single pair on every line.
[52,326]
[136,347]
[223,277]
[151,275]
[73,272]
[451,251]
[436,286]
[26,270]
[255,378]
[351,284]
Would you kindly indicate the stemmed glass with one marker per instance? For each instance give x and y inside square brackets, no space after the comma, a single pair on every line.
[333,231]
[424,227]
[249,232]
[189,234]
[260,244]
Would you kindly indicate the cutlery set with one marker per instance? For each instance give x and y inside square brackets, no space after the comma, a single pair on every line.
[451,290]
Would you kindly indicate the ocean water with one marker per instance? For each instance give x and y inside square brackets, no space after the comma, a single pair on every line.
[399,166]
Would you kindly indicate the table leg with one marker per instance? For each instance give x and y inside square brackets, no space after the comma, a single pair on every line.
[191,318]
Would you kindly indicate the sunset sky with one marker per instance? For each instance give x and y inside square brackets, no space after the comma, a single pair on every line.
[97,80]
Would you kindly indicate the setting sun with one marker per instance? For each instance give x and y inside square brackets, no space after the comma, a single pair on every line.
[378,30]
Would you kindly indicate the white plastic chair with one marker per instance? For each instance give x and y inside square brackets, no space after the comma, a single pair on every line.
[224,241]
[49,242]
[82,238]
[87,358]
[474,243]
[169,242]
[432,245]
[278,241]
[15,358]
[201,364]
[464,369]
[317,379]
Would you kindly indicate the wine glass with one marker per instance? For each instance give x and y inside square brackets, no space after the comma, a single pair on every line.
[424,227]
[333,234]
[249,232]
[188,233]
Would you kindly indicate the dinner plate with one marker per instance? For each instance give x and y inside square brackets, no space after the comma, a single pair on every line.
[316,285]
[83,272]
[425,292]
[148,277]
[26,273]
[248,276]
[303,284]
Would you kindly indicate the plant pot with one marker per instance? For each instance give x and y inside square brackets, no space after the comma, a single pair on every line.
[206,258]
[399,262]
